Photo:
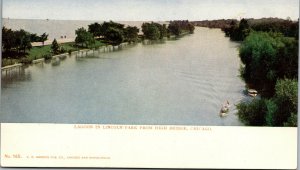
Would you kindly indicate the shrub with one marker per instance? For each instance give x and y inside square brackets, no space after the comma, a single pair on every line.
[252,113]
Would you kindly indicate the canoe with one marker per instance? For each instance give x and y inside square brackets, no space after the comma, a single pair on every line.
[252,92]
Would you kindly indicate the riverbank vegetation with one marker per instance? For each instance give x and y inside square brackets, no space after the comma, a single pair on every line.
[238,31]
[113,33]
[156,31]
[17,45]
[269,53]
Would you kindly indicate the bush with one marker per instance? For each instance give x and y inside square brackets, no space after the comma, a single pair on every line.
[252,113]
[47,56]
[62,50]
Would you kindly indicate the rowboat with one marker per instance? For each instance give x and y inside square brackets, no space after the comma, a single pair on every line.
[224,109]
[252,92]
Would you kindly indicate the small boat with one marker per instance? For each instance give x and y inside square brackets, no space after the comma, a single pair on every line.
[252,92]
[224,109]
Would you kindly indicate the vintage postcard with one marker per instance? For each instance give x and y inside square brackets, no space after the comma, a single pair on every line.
[149,84]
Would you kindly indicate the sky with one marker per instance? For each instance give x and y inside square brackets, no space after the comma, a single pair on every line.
[149,10]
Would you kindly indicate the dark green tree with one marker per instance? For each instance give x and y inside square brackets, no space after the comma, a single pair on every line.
[84,38]
[107,25]
[95,29]
[131,34]
[23,41]
[43,38]
[151,31]
[114,36]
[8,39]
[266,58]
[174,28]
[252,113]
[55,47]
[284,109]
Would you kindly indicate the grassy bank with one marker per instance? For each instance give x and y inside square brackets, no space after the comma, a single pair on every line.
[39,52]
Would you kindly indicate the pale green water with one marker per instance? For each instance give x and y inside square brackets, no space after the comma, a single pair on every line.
[182,82]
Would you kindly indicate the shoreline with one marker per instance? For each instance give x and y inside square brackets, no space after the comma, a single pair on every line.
[100,49]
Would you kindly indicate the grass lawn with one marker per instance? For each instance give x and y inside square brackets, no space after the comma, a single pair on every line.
[42,51]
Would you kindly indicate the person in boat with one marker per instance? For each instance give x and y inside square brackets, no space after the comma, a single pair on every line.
[225,107]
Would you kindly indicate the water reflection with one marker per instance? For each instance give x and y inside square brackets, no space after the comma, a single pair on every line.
[14,76]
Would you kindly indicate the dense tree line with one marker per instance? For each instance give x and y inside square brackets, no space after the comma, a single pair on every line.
[238,31]
[155,31]
[279,110]
[84,38]
[285,26]
[269,53]
[220,23]
[179,27]
[113,33]
[19,41]
[270,66]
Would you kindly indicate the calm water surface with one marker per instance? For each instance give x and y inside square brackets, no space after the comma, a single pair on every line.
[181,82]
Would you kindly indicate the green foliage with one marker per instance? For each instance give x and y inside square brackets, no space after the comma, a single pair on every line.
[178,27]
[23,40]
[238,31]
[174,28]
[47,56]
[266,58]
[286,98]
[272,109]
[84,38]
[286,27]
[35,38]
[105,27]
[292,121]
[8,39]
[55,47]
[151,31]
[252,113]
[112,32]
[277,111]
[43,38]
[114,36]
[131,34]
[95,29]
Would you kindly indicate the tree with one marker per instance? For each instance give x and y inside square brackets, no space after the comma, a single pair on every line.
[252,113]
[107,25]
[114,36]
[84,38]
[174,28]
[151,31]
[280,110]
[55,47]
[95,29]
[8,39]
[34,38]
[266,58]
[191,28]
[285,99]
[23,40]
[43,38]
[131,34]
[238,32]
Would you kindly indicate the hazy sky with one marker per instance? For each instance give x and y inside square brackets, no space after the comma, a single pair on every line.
[149,9]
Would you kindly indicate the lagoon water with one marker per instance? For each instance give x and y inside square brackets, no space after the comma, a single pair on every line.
[179,82]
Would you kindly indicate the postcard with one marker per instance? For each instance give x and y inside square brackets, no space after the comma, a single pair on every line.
[149,84]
